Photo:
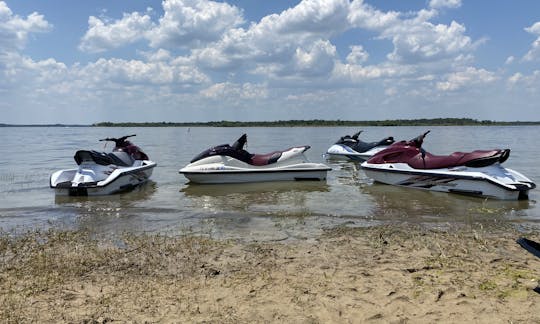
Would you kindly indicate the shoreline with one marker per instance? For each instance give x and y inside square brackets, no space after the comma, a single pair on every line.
[387,273]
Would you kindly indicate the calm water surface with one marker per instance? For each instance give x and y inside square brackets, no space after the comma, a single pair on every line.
[268,211]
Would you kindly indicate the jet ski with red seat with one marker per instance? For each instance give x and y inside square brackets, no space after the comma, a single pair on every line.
[233,164]
[352,148]
[100,173]
[478,173]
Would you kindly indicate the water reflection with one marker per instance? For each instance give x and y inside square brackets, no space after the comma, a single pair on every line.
[194,189]
[414,205]
[111,213]
[270,197]
[126,199]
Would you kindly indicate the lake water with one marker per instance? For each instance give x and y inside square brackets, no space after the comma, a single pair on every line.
[265,211]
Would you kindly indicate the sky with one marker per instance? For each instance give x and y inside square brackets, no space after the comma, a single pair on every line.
[82,62]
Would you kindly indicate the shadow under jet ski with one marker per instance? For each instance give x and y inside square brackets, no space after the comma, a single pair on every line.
[393,202]
[140,193]
[195,189]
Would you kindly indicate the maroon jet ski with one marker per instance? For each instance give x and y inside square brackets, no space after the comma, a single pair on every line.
[477,173]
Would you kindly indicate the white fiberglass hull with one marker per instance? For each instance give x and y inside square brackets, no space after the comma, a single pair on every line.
[344,152]
[220,169]
[492,181]
[94,180]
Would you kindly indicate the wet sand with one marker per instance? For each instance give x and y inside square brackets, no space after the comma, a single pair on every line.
[385,274]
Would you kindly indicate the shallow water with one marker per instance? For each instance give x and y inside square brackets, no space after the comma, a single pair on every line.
[264,211]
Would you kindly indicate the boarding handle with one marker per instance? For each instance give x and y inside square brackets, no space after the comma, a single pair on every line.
[117,141]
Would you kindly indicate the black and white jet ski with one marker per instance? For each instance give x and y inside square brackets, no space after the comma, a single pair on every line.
[477,173]
[232,164]
[351,148]
[102,173]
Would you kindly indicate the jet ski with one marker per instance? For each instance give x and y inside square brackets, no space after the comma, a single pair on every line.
[477,173]
[233,164]
[102,173]
[351,148]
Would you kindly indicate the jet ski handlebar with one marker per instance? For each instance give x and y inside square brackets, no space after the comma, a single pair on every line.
[117,141]
[417,141]
[355,135]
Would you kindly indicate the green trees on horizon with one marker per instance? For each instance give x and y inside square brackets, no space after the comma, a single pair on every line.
[322,123]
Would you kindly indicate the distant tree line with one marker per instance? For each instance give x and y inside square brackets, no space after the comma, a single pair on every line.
[322,123]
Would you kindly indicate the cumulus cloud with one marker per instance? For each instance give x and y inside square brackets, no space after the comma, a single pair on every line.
[103,35]
[315,17]
[189,23]
[415,39]
[509,60]
[357,74]
[468,77]
[14,30]
[365,16]
[185,23]
[528,82]
[357,55]
[232,90]
[204,51]
[135,71]
[437,4]
[534,53]
[270,45]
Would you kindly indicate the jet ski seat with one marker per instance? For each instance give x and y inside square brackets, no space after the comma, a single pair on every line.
[265,159]
[101,158]
[475,159]
[361,147]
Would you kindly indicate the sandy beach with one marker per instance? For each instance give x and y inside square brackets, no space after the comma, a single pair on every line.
[385,274]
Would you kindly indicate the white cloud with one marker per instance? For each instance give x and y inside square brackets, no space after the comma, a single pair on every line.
[534,53]
[102,35]
[139,72]
[298,34]
[14,30]
[357,55]
[355,74]
[185,23]
[365,16]
[437,4]
[188,23]
[528,82]
[416,39]
[231,90]
[509,60]
[199,53]
[468,77]
[315,17]
[316,60]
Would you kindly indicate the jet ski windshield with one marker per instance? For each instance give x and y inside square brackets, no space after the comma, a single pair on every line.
[361,146]
[225,150]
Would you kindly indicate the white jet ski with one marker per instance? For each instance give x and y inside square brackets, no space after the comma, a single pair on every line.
[233,164]
[477,173]
[351,148]
[102,173]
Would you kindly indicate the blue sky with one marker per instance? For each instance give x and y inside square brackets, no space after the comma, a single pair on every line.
[82,62]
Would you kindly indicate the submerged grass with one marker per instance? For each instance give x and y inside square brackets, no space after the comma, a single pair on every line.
[43,263]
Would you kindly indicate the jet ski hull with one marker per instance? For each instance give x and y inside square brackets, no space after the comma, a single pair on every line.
[232,164]
[344,152]
[96,180]
[493,181]
[238,172]
[256,175]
